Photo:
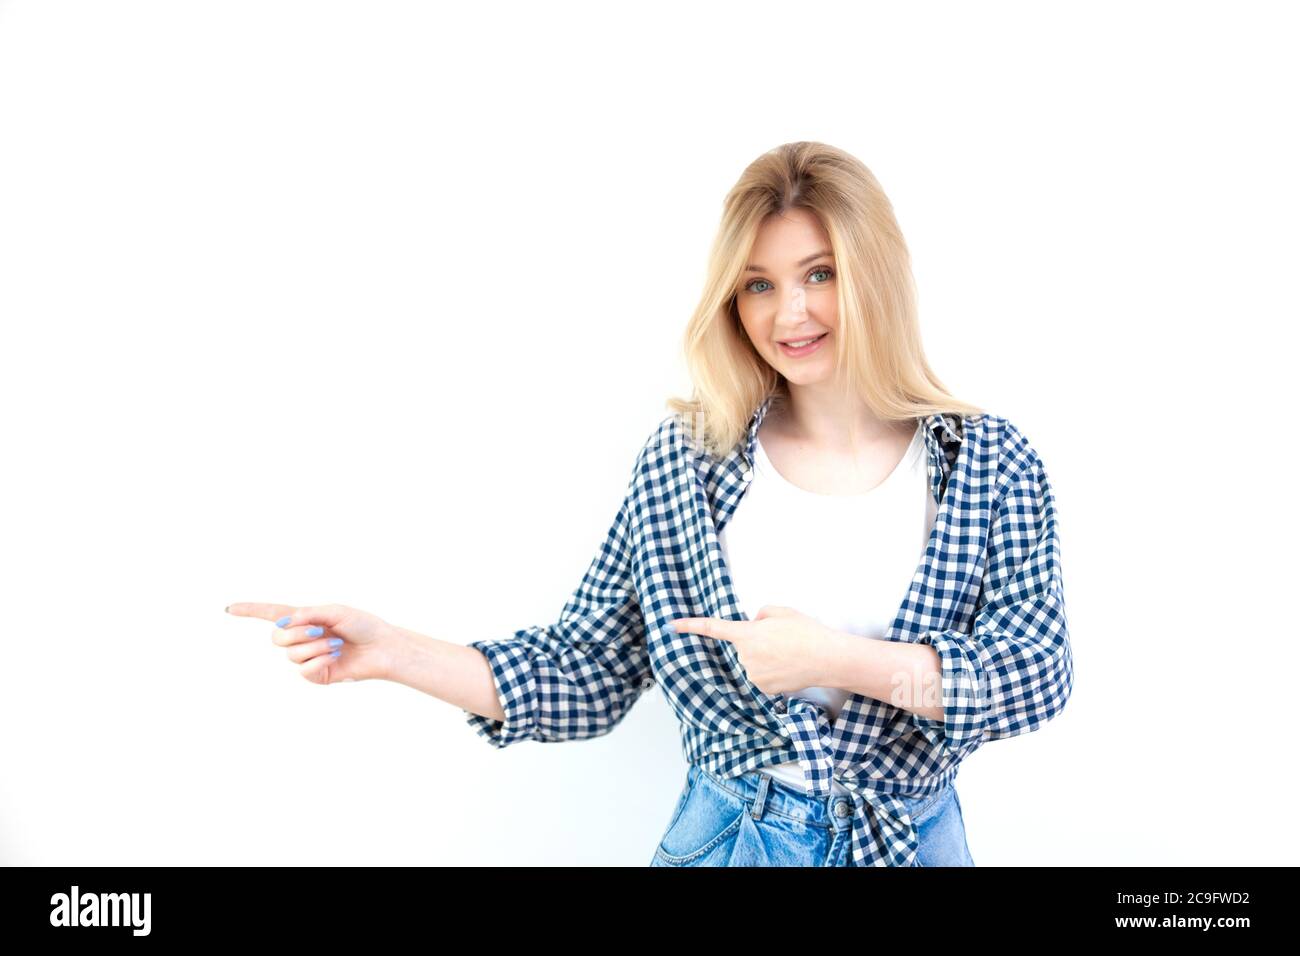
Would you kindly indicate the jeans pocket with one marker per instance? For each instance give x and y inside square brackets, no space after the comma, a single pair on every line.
[706,822]
[941,834]
[931,805]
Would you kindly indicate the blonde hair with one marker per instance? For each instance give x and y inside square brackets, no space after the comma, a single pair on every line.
[879,356]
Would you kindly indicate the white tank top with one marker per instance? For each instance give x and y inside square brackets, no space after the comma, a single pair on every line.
[846,560]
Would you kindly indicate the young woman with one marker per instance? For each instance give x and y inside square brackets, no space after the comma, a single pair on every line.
[843,579]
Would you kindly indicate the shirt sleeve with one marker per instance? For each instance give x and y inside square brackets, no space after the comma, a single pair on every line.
[575,678]
[1014,671]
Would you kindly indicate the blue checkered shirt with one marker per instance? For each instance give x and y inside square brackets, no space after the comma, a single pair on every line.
[987,596]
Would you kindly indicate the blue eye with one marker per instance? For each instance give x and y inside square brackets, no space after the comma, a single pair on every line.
[830,274]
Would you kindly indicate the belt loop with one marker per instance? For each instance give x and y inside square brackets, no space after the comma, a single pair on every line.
[760,798]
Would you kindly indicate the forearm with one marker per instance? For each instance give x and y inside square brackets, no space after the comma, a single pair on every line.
[455,673]
[897,672]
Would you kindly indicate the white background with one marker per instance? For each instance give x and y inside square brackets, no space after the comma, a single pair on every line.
[375,303]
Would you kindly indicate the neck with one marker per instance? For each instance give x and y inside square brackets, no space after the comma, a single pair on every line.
[827,418]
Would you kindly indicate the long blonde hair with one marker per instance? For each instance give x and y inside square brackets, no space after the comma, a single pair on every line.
[879,357]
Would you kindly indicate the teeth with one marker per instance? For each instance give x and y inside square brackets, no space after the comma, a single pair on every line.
[797,345]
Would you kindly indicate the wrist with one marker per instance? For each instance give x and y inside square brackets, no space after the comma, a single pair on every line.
[399,650]
[833,659]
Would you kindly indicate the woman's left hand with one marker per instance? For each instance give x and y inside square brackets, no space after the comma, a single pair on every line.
[781,649]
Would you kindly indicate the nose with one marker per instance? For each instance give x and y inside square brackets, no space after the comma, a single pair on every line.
[797,305]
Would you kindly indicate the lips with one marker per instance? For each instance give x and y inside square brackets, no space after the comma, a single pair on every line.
[806,338]
[792,352]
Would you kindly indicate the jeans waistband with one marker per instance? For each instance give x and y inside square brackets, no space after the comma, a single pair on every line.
[769,794]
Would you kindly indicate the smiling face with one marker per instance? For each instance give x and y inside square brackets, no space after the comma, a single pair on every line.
[788,295]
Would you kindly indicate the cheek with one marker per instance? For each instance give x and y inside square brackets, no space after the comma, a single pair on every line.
[753,326]
[827,311]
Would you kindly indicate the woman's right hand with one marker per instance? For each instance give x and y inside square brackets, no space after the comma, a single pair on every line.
[365,651]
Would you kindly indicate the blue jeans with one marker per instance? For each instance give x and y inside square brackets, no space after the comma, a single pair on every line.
[720,822]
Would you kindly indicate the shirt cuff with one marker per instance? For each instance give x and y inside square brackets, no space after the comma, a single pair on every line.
[512,674]
[965,707]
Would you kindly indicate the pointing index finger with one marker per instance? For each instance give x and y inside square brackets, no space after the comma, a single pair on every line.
[268,612]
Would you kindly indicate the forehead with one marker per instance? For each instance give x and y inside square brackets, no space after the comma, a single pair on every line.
[786,237]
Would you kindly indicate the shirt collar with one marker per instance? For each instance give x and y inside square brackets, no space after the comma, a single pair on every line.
[944,428]
[752,435]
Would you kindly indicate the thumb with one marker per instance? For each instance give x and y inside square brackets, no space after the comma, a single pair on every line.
[326,615]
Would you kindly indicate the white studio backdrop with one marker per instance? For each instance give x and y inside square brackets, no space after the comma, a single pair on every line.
[375,303]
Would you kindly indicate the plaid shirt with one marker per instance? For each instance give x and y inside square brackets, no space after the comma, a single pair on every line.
[987,596]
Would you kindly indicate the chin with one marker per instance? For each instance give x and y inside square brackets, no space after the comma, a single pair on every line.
[805,373]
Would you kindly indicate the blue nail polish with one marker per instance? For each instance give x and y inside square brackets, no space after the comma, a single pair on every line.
[336,642]
[282,622]
[315,631]
[335,653]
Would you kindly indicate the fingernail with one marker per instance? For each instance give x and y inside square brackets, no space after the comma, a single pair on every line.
[335,653]
[315,631]
[283,621]
[336,642]
[227,608]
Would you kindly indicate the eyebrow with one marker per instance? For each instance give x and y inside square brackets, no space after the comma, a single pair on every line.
[802,262]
